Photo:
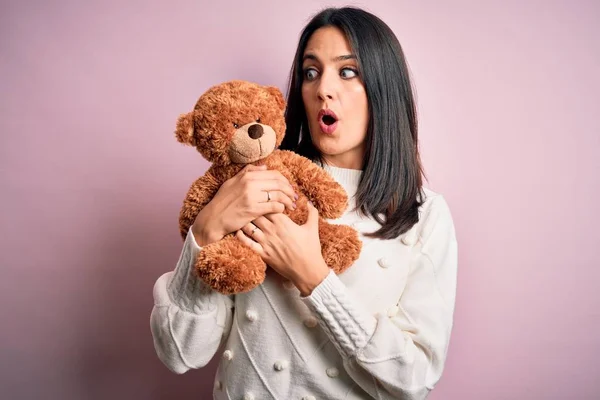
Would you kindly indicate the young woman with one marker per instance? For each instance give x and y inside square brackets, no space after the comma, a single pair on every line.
[380,329]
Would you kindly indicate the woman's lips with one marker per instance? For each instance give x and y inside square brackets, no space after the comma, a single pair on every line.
[327,129]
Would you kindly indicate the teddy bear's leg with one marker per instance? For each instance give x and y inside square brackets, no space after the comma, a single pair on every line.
[340,245]
[228,266]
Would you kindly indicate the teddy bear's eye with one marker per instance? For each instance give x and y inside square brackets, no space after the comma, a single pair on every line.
[235,125]
[258,120]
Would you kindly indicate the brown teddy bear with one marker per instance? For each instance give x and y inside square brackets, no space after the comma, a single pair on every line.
[238,123]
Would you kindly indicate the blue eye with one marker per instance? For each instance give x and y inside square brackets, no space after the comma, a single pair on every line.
[353,73]
[310,74]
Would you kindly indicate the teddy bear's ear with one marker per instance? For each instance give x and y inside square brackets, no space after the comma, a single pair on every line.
[276,93]
[185,128]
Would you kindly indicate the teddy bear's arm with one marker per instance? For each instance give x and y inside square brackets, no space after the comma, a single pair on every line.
[198,196]
[328,196]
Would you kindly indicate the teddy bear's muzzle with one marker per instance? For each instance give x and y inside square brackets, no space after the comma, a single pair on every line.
[251,143]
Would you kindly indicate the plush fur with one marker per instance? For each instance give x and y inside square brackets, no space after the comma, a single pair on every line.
[238,123]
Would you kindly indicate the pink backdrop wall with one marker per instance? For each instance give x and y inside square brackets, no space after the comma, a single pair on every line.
[92,178]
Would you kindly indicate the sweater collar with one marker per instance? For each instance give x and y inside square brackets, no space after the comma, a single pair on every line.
[348,178]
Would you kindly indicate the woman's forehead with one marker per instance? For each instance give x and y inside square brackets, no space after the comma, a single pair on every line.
[327,44]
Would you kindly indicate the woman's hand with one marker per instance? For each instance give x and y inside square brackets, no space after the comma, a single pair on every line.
[251,193]
[294,251]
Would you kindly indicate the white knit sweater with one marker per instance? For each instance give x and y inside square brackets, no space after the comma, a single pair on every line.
[379,330]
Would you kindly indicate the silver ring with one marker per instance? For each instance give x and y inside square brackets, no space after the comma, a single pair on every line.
[252,233]
[268,196]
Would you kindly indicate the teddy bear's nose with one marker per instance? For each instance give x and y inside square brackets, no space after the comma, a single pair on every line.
[255,131]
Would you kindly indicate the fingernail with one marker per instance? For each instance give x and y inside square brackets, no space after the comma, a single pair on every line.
[295,196]
[294,205]
[310,202]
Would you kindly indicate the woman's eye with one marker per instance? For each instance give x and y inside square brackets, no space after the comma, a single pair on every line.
[348,73]
[235,125]
[310,74]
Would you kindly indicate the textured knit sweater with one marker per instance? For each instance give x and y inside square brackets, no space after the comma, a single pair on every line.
[379,330]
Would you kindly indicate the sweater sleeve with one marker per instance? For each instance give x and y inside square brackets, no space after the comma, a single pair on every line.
[189,320]
[401,355]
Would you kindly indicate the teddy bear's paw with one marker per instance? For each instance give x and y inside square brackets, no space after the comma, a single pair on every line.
[340,246]
[229,267]
[333,202]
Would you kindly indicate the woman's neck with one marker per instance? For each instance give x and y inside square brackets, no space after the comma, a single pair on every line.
[346,161]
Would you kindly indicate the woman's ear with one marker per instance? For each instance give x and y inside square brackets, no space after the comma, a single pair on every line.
[185,129]
[276,93]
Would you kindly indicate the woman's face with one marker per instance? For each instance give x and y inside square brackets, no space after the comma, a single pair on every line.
[334,99]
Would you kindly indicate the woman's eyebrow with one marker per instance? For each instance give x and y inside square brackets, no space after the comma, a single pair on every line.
[345,57]
[311,56]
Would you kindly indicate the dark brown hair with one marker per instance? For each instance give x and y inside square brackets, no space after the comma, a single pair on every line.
[390,188]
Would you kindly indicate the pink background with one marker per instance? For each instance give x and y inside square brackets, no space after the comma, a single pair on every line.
[92,178]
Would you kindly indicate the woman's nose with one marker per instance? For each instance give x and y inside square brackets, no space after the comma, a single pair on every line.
[325,96]
[325,90]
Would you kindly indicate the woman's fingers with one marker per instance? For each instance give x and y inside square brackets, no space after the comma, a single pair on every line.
[247,241]
[250,168]
[276,195]
[270,207]
[279,185]
[271,191]
[277,189]
[252,231]
[273,180]
[264,224]
[263,191]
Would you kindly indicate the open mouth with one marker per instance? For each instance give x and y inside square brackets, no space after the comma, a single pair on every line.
[327,121]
